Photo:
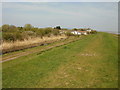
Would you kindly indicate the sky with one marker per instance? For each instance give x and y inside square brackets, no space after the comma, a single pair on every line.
[60,0]
[101,16]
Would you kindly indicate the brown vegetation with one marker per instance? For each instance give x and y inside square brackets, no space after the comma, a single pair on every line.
[27,43]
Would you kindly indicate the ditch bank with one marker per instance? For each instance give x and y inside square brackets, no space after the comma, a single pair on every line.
[14,56]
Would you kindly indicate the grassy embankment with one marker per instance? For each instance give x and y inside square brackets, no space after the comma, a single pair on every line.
[91,62]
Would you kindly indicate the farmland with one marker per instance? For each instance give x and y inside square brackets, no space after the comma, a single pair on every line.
[90,62]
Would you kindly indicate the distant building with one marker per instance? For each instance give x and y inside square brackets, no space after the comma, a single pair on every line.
[79,32]
[89,31]
[76,32]
[83,32]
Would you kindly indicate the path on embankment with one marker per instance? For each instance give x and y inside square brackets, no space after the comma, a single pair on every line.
[90,62]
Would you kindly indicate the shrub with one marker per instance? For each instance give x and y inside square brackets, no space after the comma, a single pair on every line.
[28,27]
[69,34]
[93,32]
[55,32]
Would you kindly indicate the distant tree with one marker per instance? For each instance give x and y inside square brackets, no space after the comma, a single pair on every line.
[93,32]
[9,28]
[75,29]
[83,29]
[13,28]
[28,27]
[20,28]
[5,27]
[57,27]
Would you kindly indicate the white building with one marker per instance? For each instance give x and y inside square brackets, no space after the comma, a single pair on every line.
[89,31]
[84,32]
[76,32]
[79,32]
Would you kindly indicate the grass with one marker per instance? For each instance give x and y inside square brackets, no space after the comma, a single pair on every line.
[39,48]
[87,63]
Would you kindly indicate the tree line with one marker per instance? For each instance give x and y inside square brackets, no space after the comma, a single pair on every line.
[13,33]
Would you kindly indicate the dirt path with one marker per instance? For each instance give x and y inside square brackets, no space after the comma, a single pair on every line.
[20,54]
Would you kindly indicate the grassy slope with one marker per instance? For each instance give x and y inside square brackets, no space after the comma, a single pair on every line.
[89,62]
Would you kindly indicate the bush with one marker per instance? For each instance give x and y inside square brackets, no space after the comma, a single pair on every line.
[12,36]
[5,27]
[69,34]
[13,33]
[47,30]
[93,32]
[55,32]
[28,27]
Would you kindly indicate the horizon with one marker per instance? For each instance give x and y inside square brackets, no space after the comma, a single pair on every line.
[113,32]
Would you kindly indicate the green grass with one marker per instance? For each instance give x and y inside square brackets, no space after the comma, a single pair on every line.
[36,48]
[87,63]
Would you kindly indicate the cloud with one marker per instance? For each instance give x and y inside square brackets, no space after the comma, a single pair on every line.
[69,10]
[101,16]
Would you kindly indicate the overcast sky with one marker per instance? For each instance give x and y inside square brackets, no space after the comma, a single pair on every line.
[102,16]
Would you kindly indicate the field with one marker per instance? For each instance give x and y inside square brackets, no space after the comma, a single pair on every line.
[90,62]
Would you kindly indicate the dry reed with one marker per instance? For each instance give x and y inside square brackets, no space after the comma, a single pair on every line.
[30,41]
